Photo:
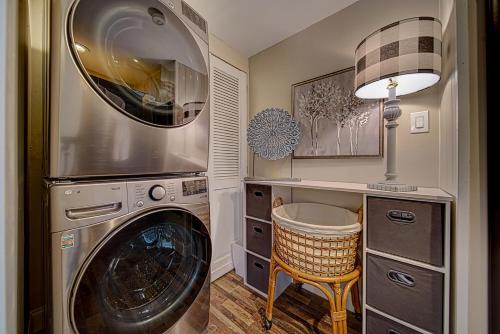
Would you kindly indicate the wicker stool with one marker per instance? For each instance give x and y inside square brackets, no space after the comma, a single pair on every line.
[317,260]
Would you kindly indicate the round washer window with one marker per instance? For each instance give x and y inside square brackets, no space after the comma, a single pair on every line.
[144,277]
[141,58]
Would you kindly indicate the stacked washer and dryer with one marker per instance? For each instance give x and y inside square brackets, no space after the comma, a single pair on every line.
[127,136]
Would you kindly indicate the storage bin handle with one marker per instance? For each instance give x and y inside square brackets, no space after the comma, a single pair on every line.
[401,278]
[258,265]
[392,331]
[401,217]
[257,229]
[258,193]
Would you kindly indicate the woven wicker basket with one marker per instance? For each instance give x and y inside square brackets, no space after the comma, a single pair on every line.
[326,246]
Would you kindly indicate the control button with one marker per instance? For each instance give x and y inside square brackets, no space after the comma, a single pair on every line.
[157,193]
[139,204]
[172,198]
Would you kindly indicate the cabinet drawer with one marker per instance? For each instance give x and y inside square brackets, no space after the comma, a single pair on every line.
[407,292]
[258,201]
[414,230]
[378,324]
[257,273]
[259,237]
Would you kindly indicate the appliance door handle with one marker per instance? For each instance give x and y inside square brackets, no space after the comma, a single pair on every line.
[401,278]
[93,211]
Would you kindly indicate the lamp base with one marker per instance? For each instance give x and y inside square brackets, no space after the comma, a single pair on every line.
[392,186]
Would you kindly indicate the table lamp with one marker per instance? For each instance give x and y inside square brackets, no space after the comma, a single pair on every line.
[401,58]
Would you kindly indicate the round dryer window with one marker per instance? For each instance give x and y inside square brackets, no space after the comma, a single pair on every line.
[141,58]
[144,277]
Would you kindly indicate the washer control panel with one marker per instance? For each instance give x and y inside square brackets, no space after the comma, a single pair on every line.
[157,193]
[146,193]
[194,187]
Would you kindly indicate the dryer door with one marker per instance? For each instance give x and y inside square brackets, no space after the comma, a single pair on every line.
[141,58]
[144,277]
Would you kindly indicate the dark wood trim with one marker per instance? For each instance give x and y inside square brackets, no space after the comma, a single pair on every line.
[493,119]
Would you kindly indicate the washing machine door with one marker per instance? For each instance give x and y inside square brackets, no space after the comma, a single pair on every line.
[144,277]
[141,58]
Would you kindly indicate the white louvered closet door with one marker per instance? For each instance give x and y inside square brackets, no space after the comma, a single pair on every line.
[227,164]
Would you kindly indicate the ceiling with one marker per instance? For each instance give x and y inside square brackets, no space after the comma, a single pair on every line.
[251,26]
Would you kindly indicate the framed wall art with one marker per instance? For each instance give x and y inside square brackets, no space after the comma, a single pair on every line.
[334,123]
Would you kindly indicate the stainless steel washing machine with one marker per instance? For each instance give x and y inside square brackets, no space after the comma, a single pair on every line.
[130,256]
[129,89]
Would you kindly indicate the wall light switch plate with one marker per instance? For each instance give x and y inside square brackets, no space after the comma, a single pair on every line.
[419,122]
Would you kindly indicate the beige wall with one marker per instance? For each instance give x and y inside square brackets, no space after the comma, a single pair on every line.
[225,52]
[451,156]
[328,46]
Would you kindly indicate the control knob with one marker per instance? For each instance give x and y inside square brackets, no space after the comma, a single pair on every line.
[157,193]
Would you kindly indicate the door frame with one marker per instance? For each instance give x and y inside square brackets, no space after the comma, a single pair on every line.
[222,264]
[11,164]
[493,165]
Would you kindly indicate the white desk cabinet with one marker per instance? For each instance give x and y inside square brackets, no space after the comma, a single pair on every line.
[406,252]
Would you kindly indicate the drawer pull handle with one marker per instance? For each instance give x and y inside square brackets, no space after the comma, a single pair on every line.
[258,193]
[257,229]
[392,331]
[401,278]
[258,265]
[401,217]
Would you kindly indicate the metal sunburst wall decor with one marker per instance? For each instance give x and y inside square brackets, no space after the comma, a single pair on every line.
[273,134]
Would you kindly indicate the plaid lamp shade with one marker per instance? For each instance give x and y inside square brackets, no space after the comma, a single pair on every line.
[408,51]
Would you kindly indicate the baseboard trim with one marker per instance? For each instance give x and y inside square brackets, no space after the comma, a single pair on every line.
[221,266]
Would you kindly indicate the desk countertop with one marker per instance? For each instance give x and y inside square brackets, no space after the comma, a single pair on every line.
[423,193]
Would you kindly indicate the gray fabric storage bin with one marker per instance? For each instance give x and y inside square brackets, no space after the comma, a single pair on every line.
[258,201]
[378,324]
[259,237]
[407,292]
[257,273]
[410,229]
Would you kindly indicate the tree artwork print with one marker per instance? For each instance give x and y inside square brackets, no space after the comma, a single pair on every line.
[333,121]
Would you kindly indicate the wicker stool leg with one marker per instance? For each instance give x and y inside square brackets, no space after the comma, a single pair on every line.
[268,316]
[339,317]
[334,314]
[356,299]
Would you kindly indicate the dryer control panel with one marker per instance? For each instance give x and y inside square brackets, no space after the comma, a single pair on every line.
[145,193]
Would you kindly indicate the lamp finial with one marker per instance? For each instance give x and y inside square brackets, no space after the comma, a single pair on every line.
[392,83]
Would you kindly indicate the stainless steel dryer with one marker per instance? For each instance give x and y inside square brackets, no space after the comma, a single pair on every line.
[130,256]
[128,89]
